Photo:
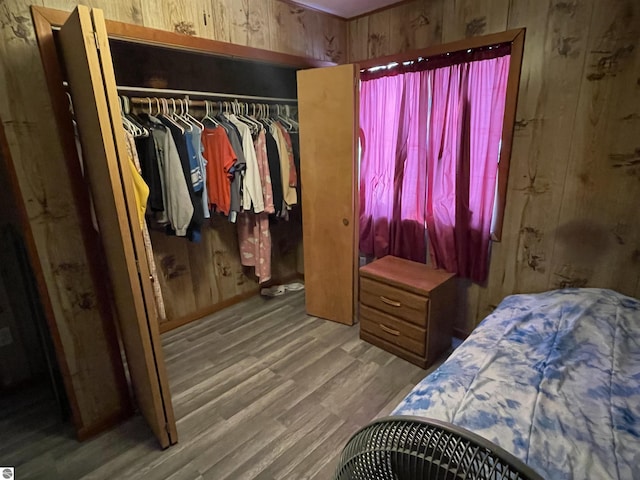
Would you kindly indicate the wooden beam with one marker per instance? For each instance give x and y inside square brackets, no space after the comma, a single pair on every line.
[468,43]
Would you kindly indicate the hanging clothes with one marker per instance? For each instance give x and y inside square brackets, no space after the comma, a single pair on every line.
[273,157]
[197,179]
[238,169]
[221,159]
[254,238]
[178,209]
[252,188]
[196,141]
[260,145]
[295,144]
[254,234]
[289,193]
[141,199]
[195,225]
[146,149]
[140,190]
[293,176]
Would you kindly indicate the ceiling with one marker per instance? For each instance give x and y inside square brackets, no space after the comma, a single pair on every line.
[346,8]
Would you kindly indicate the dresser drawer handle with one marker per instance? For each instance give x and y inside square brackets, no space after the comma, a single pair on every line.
[392,303]
[390,331]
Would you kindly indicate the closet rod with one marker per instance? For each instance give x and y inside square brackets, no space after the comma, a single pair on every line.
[167,91]
[192,103]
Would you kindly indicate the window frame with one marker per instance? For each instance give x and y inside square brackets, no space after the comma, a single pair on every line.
[516,39]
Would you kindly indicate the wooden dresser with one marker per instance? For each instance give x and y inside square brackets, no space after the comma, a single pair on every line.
[407,308]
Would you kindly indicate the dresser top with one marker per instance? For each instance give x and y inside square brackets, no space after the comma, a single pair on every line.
[412,276]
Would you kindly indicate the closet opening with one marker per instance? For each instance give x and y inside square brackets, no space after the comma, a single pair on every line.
[200,278]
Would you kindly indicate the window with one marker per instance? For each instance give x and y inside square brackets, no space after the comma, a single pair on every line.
[436,138]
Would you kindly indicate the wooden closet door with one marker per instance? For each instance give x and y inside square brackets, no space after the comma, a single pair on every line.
[328,113]
[90,73]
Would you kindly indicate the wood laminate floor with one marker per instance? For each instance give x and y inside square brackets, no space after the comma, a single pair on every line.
[260,390]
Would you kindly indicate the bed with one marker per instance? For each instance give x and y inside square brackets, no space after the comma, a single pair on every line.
[553,378]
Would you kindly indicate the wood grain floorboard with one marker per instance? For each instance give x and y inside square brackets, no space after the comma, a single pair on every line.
[260,390]
[297,430]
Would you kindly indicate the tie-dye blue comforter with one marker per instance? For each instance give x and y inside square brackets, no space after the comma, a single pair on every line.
[553,378]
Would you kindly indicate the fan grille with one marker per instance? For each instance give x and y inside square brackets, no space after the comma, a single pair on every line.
[408,448]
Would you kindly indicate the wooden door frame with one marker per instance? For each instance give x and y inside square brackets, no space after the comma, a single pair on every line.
[514,37]
[46,20]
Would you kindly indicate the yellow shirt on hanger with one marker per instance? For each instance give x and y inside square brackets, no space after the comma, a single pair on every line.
[140,187]
[141,191]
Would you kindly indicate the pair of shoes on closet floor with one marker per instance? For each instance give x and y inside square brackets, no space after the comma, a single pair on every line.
[294,287]
[274,291]
[278,290]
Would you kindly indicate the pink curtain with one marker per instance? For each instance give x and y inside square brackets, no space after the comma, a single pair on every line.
[465,128]
[430,143]
[444,146]
[393,124]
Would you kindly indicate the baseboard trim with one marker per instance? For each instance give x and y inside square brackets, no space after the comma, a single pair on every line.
[197,315]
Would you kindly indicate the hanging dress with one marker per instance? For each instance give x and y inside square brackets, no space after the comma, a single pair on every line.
[254,235]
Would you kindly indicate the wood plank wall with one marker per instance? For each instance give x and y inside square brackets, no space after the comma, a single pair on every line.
[572,216]
[18,358]
[197,278]
[26,112]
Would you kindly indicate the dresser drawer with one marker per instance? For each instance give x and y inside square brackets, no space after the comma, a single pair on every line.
[397,302]
[393,330]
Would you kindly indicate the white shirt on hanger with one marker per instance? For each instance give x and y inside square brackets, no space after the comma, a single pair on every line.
[252,193]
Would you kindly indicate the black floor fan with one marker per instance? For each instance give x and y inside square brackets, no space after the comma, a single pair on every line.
[413,448]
